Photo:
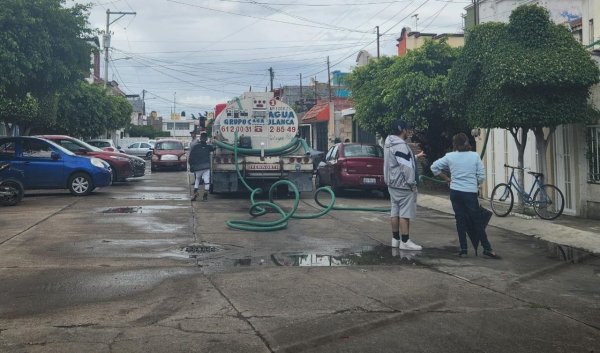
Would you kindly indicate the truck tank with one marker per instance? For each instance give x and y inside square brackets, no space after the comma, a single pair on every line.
[269,149]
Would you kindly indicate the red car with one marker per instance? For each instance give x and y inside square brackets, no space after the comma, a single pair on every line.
[352,166]
[121,164]
[168,154]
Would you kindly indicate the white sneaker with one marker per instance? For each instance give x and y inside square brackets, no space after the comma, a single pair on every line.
[409,245]
[395,243]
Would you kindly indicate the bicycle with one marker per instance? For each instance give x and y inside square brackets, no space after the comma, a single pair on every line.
[548,201]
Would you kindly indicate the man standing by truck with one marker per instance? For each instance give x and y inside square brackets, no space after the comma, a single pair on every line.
[401,175]
[199,162]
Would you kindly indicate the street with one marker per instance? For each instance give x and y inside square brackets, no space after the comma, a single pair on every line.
[137,267]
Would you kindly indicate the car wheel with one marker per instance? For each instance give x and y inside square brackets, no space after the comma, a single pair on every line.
[15,189]
[152,168]
[114,175]
[80,184]
[386,193]
[335,186]
[149,155]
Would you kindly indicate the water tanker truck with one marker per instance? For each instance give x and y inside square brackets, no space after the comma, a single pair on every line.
[264,130]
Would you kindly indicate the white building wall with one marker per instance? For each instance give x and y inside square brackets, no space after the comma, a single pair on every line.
[500,10]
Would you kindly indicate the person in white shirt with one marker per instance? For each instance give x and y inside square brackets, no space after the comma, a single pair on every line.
[467,174]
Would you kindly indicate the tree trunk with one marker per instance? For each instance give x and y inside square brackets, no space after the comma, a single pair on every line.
[521,144]
[541,144]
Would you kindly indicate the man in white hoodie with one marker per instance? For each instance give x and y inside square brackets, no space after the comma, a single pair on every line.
[401,175]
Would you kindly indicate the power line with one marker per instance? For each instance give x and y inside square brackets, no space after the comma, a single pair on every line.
[265,19]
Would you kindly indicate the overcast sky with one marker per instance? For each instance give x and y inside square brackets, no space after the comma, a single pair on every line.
[203,52]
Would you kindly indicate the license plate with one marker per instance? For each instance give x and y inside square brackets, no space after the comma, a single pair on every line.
[369,181]
[262,167]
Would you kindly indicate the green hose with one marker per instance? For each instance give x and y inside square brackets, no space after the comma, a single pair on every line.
[260,208]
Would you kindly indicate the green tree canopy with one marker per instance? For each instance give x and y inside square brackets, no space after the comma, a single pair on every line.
[412,87]
[525,75]
[42,51]
[88,110]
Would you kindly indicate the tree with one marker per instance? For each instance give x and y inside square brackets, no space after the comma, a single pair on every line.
[88,110]
[367,84]
[529,74]
[42,52]
[412,87]
[147,131]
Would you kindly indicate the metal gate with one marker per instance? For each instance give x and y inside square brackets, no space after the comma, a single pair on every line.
[321,136]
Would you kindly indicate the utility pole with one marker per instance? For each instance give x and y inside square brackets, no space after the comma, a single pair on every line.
[174,102]
[301,96]
[416,16]
[476,11]
[272,76]
[316,97]
[106,38]
[377,41]
[329,78]
[144,102]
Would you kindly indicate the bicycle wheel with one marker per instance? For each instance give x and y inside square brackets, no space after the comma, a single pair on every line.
[548,202]
[502,200]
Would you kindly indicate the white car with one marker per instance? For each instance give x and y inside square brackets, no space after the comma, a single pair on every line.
[140,149]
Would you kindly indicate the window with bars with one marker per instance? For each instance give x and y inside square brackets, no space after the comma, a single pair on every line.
[593,154]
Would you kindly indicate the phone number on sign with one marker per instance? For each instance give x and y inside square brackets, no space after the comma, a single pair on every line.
[282,129]
[291,129]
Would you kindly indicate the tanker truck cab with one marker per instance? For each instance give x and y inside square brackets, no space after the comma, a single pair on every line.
[269,148]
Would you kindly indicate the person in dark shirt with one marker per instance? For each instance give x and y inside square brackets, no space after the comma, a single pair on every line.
[199,161]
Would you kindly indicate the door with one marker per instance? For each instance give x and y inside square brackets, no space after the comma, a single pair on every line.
[564,166]
[41,170]
[133,149]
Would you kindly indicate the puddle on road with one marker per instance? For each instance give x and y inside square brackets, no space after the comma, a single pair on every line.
[153,196]
[159,188]
[139,209]
[361,256]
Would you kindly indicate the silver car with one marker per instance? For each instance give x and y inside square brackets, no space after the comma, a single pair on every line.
[140,149]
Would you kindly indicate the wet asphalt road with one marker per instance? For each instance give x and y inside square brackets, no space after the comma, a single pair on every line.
[138,268]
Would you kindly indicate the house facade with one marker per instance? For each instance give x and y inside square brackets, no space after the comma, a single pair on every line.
[410,40]
[573,154]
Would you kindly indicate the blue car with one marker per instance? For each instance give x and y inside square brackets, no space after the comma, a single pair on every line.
[47,165]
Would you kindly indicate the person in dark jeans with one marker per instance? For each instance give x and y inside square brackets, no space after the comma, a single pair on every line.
[199,161]
[467,173]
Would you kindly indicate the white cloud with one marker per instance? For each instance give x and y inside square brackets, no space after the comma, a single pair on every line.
[208,56]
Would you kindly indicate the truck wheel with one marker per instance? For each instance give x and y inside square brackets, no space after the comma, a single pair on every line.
[318,183]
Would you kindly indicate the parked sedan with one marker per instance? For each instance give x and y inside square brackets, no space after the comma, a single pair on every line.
[46,165]
[168,154]
[105,144]
[140,149]
[352,166]
[120,164]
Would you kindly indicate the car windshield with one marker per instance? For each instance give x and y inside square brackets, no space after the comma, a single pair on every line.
[362,151]
[168,145]
[100,143]
[87,146]
[60,148]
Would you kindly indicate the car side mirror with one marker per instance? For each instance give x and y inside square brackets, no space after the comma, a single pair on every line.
[55,156]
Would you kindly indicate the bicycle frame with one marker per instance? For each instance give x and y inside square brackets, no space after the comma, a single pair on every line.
[527,197]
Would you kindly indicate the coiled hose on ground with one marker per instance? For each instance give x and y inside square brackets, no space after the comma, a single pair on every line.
[259,208]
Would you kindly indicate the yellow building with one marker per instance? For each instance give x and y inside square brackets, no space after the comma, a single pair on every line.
[412,40]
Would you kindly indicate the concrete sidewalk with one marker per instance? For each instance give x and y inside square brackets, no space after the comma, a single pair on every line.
[577,233]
